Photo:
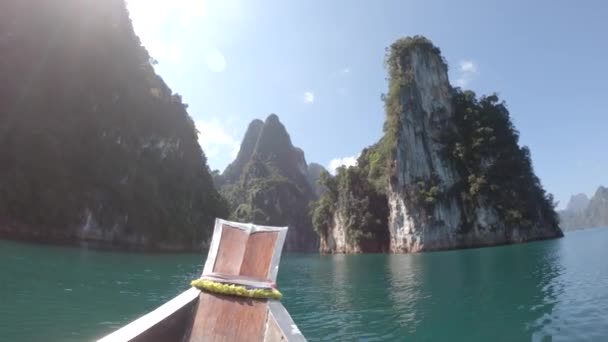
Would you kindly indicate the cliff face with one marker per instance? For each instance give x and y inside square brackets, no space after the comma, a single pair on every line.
[423,103]
[582,213]
[458,177]
[95,146]
[268,184]
[314,174]
[351,216]
[233,172]
[449,168]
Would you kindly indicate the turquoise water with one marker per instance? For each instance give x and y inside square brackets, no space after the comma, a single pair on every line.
[544,291]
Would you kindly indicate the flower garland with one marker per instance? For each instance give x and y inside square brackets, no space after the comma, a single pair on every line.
[235,290]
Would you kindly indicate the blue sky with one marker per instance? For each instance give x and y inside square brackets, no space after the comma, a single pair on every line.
[318,65]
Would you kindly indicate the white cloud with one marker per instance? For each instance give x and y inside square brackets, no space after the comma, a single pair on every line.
[466,73]
[214,139]
[308,97]
[345,71]
[468,66]
[215,60]
[335,163]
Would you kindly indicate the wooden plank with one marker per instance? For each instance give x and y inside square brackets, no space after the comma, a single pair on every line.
[258,254]
[170,321]
[288,327]
[226,318]
[239,250]
[173,328]
[273,332]
[231,250]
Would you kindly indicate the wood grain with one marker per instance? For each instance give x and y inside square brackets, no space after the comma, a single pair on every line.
[273,332]
[258,254]
[231,251]
[226,318]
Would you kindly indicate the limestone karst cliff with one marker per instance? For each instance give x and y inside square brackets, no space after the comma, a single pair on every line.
[268,183]
[351,216]
[448,167]
[95,146]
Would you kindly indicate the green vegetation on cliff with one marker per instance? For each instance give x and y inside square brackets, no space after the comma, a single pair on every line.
[314,174]
[268,183]
[396,57]
[358,195]
[478,144]
[94,143]
[483,146]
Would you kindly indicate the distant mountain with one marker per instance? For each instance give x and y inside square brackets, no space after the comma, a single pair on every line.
[581,214]
[95,146]
[269,183]
[578,203]
[314,174]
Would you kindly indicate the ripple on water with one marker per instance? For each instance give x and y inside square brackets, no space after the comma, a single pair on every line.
[551,290]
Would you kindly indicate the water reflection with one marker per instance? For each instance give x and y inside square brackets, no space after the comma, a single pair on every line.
[502,294]
[546,291]
[338,296]
[53,293]
[404,290]
[478,294]
[577,294]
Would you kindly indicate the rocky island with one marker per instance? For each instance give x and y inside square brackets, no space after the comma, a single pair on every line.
[97,148]
[447,173]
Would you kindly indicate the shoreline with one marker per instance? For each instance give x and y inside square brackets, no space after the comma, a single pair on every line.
[118,246]
[99,245]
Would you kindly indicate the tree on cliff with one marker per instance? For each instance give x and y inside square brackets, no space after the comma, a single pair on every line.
[268,183]
[94,143]
[450,164]
[359,199]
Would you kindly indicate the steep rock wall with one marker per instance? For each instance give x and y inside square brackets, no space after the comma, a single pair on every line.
[448,172]
[268,183]
[430,201]
[95,145]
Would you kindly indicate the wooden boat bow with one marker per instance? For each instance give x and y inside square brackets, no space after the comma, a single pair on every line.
[245,254]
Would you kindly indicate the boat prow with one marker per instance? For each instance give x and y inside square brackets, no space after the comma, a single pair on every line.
[239,251]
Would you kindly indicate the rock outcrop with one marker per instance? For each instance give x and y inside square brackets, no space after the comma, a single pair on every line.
[351,216]
[583,213]
[449,166]
[448,180]
[95,146]
[268,184]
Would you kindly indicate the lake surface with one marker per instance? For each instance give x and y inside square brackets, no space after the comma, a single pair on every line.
[543,291]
